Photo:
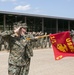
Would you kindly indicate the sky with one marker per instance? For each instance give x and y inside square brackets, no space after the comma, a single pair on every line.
[59,8]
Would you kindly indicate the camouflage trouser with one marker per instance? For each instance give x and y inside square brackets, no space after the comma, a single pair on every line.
[19,70]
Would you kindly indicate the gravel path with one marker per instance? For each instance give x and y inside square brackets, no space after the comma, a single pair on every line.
[42,63]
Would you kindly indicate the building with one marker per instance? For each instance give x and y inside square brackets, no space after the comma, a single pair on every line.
[44,23]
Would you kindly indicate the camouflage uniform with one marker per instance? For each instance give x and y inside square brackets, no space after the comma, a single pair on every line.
[20,53]
[45,40]
[1,42]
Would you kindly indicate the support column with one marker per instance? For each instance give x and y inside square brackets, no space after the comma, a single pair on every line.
[34,25]
[56,25]
[25,20]
[69,25]
[43,25]
[4,22]
[15,18]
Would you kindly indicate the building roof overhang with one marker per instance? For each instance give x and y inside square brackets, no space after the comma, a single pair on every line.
[35,15]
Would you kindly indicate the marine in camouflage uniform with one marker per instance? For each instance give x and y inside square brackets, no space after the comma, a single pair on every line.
[45,40]
[20,51]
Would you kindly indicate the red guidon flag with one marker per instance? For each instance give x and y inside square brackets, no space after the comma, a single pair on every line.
[62,44]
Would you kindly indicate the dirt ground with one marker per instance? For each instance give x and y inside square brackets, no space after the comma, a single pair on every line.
[42,63]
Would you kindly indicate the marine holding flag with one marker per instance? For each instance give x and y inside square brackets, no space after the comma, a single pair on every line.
[62,44]
[20,50]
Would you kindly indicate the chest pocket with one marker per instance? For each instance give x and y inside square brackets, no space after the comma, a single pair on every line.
[23,40]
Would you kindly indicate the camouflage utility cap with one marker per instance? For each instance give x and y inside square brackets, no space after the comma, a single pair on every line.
[24,25]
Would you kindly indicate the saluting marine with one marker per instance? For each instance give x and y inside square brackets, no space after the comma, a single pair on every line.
[20,49]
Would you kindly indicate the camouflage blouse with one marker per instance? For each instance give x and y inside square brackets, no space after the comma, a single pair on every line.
[20,48]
